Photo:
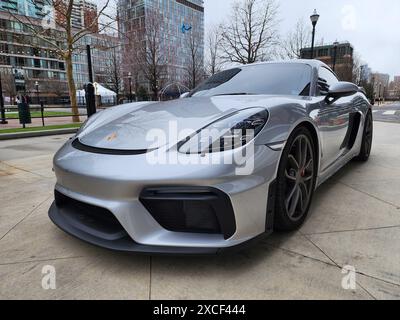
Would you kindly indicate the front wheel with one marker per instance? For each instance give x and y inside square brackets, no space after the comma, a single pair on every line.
[366,145]
[295,181]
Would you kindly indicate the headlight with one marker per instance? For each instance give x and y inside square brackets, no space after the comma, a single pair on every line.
[231,132]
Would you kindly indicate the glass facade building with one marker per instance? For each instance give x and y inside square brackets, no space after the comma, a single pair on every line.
[182,20]
[30,8]
[29,59]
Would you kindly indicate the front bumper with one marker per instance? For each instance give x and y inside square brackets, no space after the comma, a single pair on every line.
[126,244]
[116,182]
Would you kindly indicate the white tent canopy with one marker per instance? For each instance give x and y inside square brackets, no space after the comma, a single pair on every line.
[107,96]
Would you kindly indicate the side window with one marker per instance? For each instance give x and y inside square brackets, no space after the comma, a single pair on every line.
[325,79]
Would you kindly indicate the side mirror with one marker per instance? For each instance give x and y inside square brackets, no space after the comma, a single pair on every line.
[184,95]
[362,90]
[341,89]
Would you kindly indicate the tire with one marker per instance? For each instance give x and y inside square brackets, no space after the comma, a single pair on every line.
[366,144]
[295,181]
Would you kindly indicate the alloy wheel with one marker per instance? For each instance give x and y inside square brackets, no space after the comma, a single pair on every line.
[299,175]
[368,135]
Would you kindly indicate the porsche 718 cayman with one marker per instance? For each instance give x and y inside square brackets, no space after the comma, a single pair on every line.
[123,187]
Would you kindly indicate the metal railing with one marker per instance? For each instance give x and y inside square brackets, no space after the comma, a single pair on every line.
[48,112]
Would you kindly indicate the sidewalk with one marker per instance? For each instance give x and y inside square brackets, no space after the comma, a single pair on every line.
[37,122]
[354,221]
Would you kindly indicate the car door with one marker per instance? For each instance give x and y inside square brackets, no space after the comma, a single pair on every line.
[333,120]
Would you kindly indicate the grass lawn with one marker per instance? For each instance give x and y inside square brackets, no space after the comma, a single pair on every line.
[34,114]
[62,126]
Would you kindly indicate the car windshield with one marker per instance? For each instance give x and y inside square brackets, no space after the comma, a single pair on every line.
[273,78]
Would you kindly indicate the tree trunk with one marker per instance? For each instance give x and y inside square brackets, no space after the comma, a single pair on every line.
[72,88]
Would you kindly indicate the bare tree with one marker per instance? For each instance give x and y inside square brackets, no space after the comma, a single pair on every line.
[114,73]
[60,34]
[296,40]
[130,61]
[149,53]
[55,87]
[51,87]
[195,69]
[8,83]
[356,71]
[251,34]
[213,50]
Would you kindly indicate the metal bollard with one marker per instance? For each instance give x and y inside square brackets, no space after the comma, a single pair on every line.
[42,111]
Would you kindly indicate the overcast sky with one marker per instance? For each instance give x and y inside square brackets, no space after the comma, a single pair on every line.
[371,26]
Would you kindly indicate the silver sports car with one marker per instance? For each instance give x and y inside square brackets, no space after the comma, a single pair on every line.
[233,160]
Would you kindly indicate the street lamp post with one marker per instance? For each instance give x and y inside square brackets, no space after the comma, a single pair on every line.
[90,64]
[39,102]
[384,94]
[37,91]
[314,20]
[335,48]
[130,86]
[379,93]
[2,109]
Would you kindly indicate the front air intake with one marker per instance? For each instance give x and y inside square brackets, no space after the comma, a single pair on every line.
[98,222]
[191,210]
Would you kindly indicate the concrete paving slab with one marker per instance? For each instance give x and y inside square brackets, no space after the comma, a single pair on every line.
[10,173]
[387,190]
[380,177]
[20,193]
[37,238]
[98,277]
[375,253]
[24,185]
[24,148]
[41,165]
[387,154]
[337,207]
[260,273]
[13,212]
[380,290]
[296,243]
[367,172]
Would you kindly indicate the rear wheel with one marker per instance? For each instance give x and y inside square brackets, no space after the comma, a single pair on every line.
[366,145]
[296,181]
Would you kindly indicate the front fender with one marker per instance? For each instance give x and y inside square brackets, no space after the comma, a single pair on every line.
[283,119]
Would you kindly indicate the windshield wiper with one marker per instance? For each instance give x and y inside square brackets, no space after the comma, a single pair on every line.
[234,94]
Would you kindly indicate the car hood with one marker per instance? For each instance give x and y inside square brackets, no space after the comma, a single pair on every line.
[144,126]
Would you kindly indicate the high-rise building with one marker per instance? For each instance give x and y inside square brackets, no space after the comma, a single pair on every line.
[366,73]
[25,59]
[30,8]
[381,83]
[394,89]
[182,22]
[102,49]
[338,56]
[90,19]
[84,14]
